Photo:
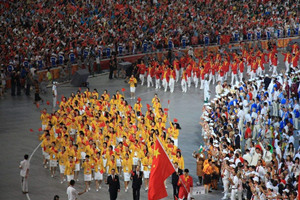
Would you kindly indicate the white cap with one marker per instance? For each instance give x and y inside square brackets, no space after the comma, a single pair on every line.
[256,179]
[232,165]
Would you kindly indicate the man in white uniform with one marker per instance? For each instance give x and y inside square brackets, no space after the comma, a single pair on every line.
[206,91]
[235,184]
[24,167]
[72,192]
[54,92]
[225,178]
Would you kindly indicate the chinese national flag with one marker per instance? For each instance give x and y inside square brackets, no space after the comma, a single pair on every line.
[161,169]
[299,188]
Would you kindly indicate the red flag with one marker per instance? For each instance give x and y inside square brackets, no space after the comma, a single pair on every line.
[168,101]
[123,89]
[161,169]
[31,130]
[48,103]
[40,129]
[37,105]
[175,120]
[57,102]
[299,188]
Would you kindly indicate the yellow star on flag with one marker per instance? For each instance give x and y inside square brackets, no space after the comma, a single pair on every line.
[156,153]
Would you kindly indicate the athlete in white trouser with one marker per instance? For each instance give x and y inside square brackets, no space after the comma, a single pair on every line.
[172,84]
[196,80]
[149,81]
[142,78]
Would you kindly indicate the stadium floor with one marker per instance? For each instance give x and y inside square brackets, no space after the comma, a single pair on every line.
[18,115]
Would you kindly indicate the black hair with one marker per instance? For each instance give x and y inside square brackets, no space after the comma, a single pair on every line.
[72,182]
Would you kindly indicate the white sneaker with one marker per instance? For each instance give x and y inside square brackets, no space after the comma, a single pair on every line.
[224,198]
[77,180]
[52,176]
[61,182]
[125,190]
[100,187]
[97,190]
[89,188]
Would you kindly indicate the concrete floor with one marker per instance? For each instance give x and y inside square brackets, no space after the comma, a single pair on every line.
[18,115]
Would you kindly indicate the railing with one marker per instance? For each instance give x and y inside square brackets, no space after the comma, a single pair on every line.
[197,43]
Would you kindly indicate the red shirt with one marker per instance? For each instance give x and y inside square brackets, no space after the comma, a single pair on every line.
[248,133]
[187,182]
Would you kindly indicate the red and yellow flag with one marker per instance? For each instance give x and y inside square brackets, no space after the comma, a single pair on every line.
[161,169]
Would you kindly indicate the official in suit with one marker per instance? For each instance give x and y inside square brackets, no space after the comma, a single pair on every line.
[175,176]
[114,185]
[137,182]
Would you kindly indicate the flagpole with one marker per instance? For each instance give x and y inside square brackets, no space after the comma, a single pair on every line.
[171,163]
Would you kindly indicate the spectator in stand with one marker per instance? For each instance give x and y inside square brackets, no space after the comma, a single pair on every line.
[50,33]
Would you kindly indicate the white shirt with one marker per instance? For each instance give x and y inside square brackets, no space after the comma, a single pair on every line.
[247,157]
[247,117]
[264,110]
[235,182]
[226,174]
[261,171]
[245,103]
[241,114]
[54,90]
[278,152]
[72,193]
[219,89]
[254,115]
[24,167]
[255,159]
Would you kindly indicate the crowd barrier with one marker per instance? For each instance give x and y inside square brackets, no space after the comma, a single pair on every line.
[198,50]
